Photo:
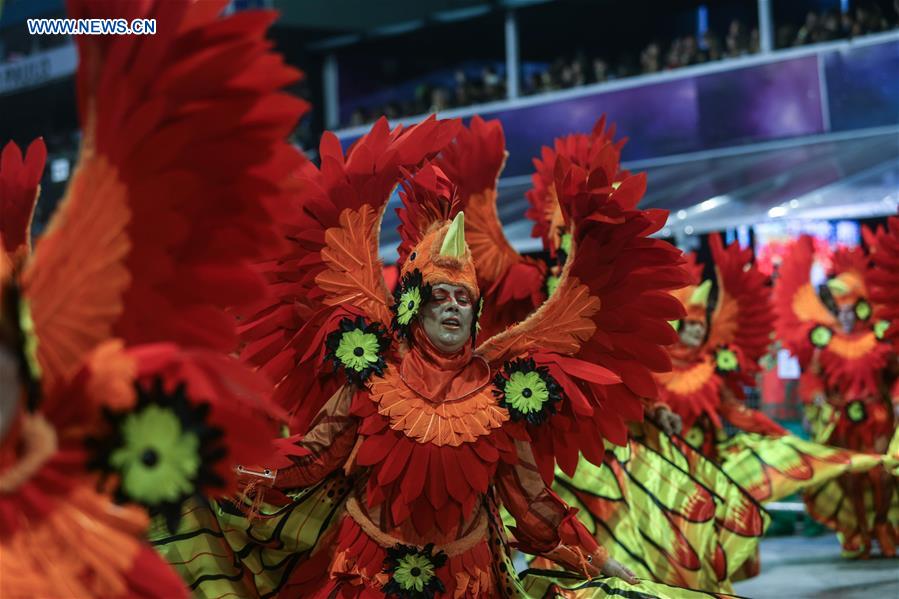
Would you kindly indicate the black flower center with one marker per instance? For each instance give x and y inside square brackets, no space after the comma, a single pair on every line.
[150,458]
[416,571]
[359,352]
[411,304]
[526,392]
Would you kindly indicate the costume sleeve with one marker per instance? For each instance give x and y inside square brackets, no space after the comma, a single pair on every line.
[325,447]
[747,419]
[546,525]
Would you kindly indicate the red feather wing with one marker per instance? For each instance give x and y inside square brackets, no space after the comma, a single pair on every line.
[883,279]
[331,268]
[608,311]
[182,159]
[743,316]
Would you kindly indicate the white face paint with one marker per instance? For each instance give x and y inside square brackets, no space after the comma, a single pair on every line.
[10,390]
[692,333]
[847,318]
[447,317]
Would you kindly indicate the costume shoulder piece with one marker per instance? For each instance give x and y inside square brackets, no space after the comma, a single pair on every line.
[596,341]
[327,287]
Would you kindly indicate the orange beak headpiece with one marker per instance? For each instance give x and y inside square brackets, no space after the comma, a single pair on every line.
[848,291]
[847,286]
[695,299]
[434,248]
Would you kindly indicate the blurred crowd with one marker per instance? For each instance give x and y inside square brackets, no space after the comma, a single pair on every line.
[655,57]
[489,86]
[567,73]
[570,72]
[833,25]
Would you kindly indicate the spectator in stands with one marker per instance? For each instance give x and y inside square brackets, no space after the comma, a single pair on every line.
[649,59]
[601,70]
[712,47]
[737,42]
[439,100]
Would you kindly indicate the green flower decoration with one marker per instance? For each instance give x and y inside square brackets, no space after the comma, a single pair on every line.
[26,324]
[358,348]
[476,323]
[552,283]
[161,452]
[675,324]
[695,437]
[726,360]
[158,460]
[413,572]
[820,336]
[529,392]
[408,298]
[856,411]
[862,310]
[880,328]
[565,244]
[409,304]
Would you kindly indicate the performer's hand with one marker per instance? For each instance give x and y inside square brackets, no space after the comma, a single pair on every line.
[668,421]
[614,568]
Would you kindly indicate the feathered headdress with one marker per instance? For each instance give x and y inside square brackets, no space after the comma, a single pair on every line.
[433,232]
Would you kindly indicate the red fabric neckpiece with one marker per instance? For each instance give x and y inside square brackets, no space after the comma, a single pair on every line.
[439,377]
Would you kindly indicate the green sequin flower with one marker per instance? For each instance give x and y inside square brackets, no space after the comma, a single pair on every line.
[526,392]
[820,336]
[726,360]
[359,348]
[161,452]
[158,460]
[880,328]
[413,572]
[862,310]
[565,243]
[529,392]
[856,412]
[552,283]
[409,304]
[26,324]
[408,298]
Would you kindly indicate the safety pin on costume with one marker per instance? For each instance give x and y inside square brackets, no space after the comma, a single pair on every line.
[115,380]
[845,360]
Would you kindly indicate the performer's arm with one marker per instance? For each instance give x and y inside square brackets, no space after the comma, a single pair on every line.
[325,447]
[747,419]
[546,525]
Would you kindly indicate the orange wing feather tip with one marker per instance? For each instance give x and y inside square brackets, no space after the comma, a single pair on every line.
[19,181]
